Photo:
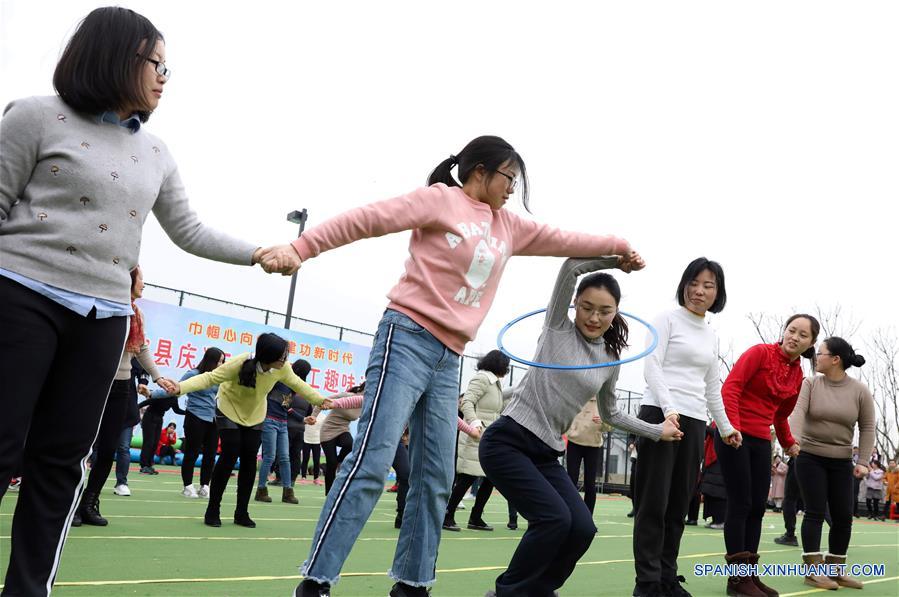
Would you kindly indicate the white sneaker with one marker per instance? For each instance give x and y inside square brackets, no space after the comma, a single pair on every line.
[190,491]
[204,492]
[122,490]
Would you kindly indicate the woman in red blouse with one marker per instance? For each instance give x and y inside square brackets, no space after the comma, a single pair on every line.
[761,390]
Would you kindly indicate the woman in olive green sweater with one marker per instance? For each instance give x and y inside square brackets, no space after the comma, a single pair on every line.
[244,382]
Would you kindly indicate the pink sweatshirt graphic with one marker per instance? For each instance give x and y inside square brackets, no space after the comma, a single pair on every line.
[457,253]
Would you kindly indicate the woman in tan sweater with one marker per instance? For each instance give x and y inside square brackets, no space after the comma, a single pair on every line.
[829,407]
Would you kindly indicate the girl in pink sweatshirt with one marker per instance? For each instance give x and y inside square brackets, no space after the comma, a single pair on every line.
[461,240]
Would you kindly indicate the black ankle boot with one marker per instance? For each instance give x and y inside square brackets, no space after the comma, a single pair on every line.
[90,510]
[244,520]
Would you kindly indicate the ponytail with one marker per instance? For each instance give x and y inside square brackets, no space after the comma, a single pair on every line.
[247,374]
[443,173]
[616,336]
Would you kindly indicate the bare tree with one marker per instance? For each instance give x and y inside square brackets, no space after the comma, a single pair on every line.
[881,376]
[835,323]
[768,327]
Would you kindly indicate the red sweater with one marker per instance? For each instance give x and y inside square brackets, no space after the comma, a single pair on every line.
[762,389]
[164,440]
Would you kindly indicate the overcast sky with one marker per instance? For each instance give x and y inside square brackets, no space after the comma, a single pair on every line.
[762,135]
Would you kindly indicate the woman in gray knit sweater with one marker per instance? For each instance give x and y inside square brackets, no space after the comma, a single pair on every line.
[520,451]
[78,177]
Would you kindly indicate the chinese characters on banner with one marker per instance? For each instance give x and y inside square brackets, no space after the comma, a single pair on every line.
[178,337]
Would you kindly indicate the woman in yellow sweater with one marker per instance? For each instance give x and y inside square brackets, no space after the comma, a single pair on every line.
[244,382]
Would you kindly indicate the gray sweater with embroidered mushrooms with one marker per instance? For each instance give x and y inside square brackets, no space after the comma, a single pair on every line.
[74,195]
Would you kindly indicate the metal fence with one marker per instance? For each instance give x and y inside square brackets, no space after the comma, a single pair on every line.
[614,475]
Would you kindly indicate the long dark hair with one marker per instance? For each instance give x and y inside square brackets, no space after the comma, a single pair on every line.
[840,348]
[100,68]
[616,335]
[488,151]
[816,329]
[210,359]
[269,348]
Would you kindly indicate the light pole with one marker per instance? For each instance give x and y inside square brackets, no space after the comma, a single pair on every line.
[296,217]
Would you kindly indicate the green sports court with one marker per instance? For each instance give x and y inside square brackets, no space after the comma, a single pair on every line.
[156,544]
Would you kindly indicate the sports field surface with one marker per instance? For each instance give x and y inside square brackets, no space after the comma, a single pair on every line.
[156,544]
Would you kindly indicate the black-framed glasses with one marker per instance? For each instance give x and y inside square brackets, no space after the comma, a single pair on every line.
[161,68]
[513,180]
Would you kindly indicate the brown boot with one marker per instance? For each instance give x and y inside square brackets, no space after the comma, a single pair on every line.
[741,586]
[262,495]
[754,560]
[842,579]
[819,581]
[288,497]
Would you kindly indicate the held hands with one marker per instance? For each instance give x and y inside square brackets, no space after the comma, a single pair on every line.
[282,259]
[734,440]
[793,450]
[860,472]
[168,385]
[630,262]
[476,433]
[309,420]
[670,431]
[143,390]
[328,404]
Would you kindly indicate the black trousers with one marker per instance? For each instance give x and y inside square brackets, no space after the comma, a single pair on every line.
[56,369]
[167,451]
[314,450]
[402,469]
[664,485]
[791,498]
[560,527]
[200,436]
[592,459]
[110,435]
[462,484]
[747,476]
[714,508]
[295,447]
[825,482]
[151,429]
[333,458]
[237,442]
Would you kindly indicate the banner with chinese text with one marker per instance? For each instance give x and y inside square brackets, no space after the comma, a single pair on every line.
[179,336]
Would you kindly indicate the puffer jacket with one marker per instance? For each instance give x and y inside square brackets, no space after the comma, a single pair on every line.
[482,401]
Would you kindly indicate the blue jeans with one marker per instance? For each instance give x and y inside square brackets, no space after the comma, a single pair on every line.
[123,457]
[275,441]
[412,377]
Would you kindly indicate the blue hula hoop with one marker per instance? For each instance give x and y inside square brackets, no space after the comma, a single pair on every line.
[502,333]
